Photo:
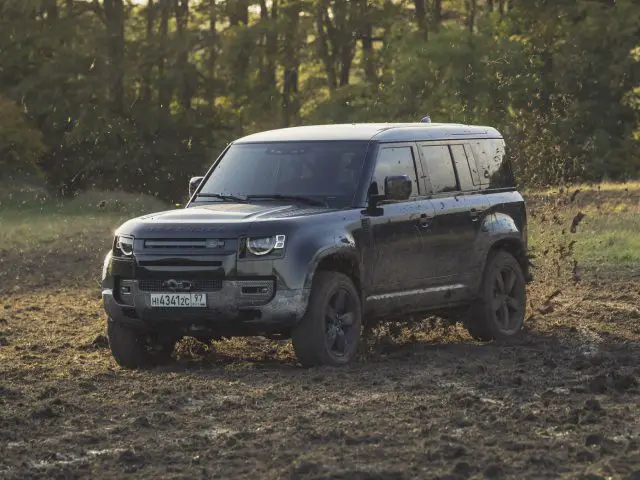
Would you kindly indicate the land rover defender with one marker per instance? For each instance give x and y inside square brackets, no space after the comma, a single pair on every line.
[310,232]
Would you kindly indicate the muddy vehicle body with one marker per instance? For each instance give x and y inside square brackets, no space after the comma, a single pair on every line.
[310,232]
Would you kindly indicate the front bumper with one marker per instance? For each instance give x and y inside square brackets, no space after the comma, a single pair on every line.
[232,309]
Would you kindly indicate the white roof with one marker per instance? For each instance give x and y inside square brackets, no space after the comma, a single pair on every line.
[381,132]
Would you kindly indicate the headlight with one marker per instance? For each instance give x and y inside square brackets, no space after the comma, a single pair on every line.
[265,245]
[124,245]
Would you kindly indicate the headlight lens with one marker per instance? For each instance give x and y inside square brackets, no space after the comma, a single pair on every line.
[265,245]
[124,245]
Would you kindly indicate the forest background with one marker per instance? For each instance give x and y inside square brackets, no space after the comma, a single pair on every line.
[139,96]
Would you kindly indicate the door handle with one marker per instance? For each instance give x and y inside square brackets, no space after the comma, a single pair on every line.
[424,222]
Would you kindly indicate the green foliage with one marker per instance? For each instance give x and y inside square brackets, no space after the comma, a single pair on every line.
[142,95]
[20,144]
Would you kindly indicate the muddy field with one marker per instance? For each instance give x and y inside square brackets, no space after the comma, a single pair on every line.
[425,401]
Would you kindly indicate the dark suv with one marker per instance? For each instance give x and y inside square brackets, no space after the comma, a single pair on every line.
[309,232]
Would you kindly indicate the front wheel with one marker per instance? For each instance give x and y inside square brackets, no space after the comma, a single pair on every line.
[329,332]
[136,349]
[500,310]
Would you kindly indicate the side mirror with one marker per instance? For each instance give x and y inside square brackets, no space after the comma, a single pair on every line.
[194,183]
[397,187]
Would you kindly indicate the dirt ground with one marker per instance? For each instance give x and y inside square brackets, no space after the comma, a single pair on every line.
[424,401]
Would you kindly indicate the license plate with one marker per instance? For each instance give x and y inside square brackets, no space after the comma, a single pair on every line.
[178,300]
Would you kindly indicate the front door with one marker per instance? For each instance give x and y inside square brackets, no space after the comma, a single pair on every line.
[398,230]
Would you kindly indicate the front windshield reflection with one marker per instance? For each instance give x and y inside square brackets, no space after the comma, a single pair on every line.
[327,171]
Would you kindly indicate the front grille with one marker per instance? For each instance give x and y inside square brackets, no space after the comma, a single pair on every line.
[185,244]
[158,285]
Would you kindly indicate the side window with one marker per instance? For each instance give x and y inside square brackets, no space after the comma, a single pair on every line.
[480,152]
[462,167]
[439,166]
[473,166]
[395,161]
[493,165]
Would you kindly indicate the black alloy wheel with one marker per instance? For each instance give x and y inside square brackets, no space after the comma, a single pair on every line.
[329,332]
[507,300]
[499,311]
[340,314]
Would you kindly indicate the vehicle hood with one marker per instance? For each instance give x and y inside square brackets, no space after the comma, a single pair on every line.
[221,218]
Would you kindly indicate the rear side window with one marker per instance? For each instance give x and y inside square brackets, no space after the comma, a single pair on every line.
[493,165]
[437,161]
[395,161]
[473,166]
[463,167]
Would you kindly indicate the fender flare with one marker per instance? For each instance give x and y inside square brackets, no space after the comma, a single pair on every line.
[347,250]
[504,233]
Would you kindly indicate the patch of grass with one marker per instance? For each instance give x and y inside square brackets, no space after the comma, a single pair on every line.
[606,237]
[602,186]
[611,239]
[606,240]
[30,231]
[32,226]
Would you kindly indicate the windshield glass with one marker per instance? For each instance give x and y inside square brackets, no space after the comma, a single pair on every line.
[324,171]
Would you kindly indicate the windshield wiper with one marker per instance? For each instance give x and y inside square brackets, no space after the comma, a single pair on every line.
[221,196]
[295,198]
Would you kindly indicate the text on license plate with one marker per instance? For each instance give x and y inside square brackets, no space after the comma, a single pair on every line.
[178,300]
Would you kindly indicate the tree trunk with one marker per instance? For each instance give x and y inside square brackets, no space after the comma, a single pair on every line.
[212,59]
[421,18]
[51,9]
[322,42]
[501,7]
[290,62]
[147,64]
[472,6]
[164,88]
[114,17]
[238,11]
[470,79]
[184,71]
[343,38]
[366,37]
[346,59]
[269,21]
[437,14]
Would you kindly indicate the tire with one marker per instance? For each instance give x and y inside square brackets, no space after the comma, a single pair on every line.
[329,332]
[503,287]
[136,349]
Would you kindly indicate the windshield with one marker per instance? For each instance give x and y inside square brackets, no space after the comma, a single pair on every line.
[324,171]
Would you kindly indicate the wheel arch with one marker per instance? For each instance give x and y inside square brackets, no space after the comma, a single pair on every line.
[344,260]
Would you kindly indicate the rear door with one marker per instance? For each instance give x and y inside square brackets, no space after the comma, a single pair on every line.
[477,203]
[454,227]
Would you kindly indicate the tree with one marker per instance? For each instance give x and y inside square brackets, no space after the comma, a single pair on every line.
[114,20]
[21,144]
[140,95]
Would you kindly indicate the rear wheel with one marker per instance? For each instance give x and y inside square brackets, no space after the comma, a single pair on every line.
[500,311]
[136,349]
[329,332]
